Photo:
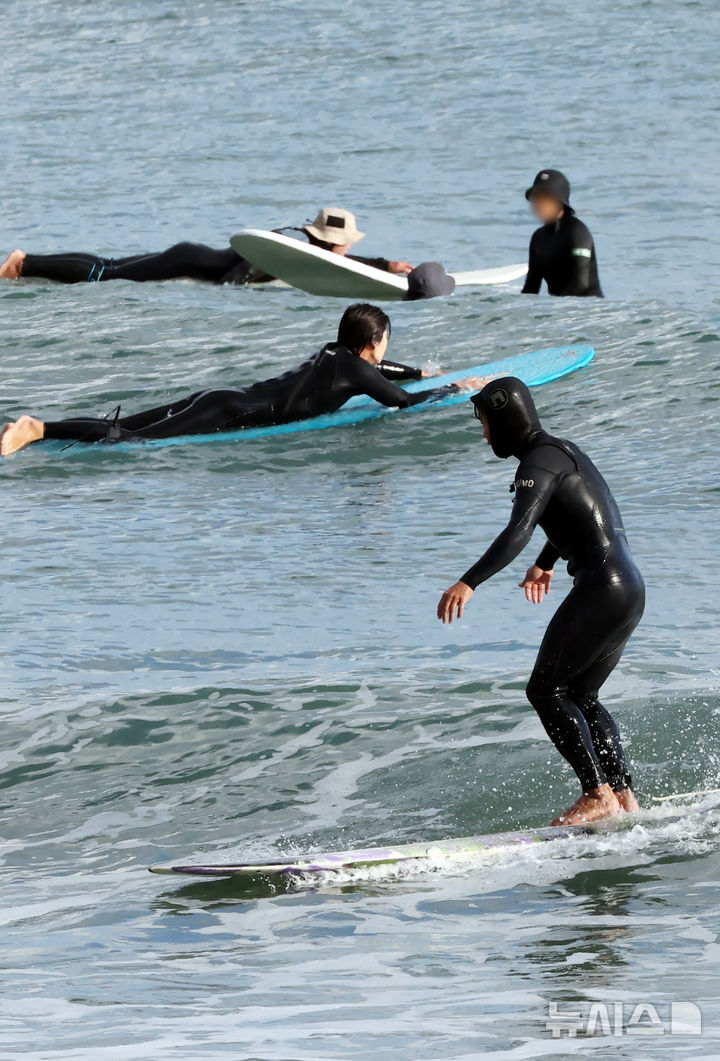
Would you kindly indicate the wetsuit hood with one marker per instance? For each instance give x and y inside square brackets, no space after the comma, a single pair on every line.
[512,418]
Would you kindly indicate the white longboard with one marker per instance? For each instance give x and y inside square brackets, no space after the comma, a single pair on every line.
[320,272]
[434,852]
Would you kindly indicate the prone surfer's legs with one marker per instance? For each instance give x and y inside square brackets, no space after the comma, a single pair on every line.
[139,425]
[160,414]
[204,413]
[78,429]
[27,429]
[184,417]
[192,261]
[65,268]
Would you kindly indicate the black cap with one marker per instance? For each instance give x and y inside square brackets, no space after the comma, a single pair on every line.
[554,183]
[512,418]
[429,280]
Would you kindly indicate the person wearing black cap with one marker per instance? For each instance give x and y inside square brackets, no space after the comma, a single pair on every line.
[562,252]
[558,487]
[429,280]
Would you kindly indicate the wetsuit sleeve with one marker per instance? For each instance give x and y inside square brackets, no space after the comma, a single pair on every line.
[393,370]
[548,557]
[533,280]
[534,490]
[368,380]
[581,254]
[376,263]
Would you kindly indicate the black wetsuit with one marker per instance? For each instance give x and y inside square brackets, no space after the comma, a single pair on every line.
[190,261]
[321,384]
[563,255]
[559,488]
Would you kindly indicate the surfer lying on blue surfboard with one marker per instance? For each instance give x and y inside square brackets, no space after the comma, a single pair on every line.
[559,488]
[333,229]
[322,384]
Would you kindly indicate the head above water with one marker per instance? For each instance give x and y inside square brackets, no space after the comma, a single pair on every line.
[508,412]
[334,229]
[549,195]
[429,280]
[365,329]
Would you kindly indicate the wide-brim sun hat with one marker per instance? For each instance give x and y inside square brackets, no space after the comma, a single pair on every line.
[336,226]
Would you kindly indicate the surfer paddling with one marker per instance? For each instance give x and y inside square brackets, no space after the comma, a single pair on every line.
[562,252]
[559,488]
[353,365]
[334,229]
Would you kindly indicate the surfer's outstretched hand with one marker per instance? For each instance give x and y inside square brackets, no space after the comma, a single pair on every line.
[536,584]
[473,383]
[400,267]
[453,601]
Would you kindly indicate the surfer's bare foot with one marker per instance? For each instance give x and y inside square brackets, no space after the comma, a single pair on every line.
[598,803]
[20,433]
[11,268]
[627,800]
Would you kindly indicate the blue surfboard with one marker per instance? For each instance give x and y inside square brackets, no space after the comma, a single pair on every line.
[541,366]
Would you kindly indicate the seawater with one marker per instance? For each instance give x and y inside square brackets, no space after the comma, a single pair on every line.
[231,650]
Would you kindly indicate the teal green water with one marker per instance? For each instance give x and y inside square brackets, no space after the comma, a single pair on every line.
[231,650]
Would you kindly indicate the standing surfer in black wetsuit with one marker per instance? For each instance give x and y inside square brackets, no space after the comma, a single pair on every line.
[353,365]
[558,487]
[334,229]
[562,252]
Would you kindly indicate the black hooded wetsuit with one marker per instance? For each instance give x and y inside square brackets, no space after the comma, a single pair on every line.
[321,384]
[563,255]
[188,261]
[559,488]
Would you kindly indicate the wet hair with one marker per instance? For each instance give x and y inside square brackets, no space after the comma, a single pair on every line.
[362,325]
